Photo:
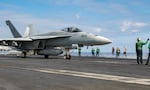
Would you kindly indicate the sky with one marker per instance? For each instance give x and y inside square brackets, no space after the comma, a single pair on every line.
[122,21]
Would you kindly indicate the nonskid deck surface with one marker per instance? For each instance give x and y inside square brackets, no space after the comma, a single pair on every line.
[79,73]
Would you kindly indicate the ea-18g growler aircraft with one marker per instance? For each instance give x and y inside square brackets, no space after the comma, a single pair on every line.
[53,43]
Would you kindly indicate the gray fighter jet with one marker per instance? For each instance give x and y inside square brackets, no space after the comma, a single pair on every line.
[53,43]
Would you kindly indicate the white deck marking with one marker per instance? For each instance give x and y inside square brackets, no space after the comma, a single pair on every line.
[113,62]
[124,79]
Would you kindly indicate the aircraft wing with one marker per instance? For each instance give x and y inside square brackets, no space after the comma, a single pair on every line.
[33,38]
[16,39]
[9,41]
[49,37]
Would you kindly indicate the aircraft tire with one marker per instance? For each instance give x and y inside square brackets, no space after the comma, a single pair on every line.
[24,54]
[67,57]
[46,56]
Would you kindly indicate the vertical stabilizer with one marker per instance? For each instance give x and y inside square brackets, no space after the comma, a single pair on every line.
[29,31]
[14,31]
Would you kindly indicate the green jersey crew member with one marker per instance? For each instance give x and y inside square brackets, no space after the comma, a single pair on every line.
[148,55]
[97,51]
[139,45]
[79,51]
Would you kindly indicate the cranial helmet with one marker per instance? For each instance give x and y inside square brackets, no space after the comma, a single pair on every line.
[139,39]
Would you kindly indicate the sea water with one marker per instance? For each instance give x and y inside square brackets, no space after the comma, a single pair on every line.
[131,55]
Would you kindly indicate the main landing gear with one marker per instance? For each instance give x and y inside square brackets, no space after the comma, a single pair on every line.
[67,55]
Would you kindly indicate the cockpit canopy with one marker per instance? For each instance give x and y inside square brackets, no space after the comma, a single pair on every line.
[71,29]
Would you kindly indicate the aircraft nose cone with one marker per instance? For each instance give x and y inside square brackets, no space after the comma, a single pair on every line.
[104,40]
[107,41]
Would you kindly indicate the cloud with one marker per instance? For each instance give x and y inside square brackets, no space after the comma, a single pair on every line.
[132,26]
[134,31]
[98,30]
[139,24]
[77,16]
[42,25]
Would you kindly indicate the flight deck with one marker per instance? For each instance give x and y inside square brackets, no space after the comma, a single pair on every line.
[79,73]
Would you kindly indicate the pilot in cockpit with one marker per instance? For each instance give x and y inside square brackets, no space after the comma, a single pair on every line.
[71,29]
